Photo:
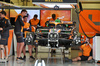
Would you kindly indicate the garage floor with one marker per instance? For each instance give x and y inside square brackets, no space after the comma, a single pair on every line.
[53,62]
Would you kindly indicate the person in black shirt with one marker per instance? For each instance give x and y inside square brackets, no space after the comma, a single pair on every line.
[18,32]
[4,31]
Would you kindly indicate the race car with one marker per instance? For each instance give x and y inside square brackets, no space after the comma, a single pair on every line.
[57,34]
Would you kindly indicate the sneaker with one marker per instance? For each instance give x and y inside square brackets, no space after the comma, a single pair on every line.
[31,57]
[19,59]
[68,60]
[98,61]
[24,58]
[16,58]
[90,61]
[4,60]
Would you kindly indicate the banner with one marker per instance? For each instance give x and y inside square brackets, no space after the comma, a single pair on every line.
[90,21]
[55,1]
[31,13]
[64,15]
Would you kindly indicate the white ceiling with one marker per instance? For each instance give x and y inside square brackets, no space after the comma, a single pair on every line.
[61,5]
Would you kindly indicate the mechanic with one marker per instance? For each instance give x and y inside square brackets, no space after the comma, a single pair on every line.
[27,30]
[18,32]
[87,52]
[53,17]
[4,31]
[34,23]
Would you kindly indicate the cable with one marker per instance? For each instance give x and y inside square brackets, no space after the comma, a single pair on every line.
[84,32]
[82,28]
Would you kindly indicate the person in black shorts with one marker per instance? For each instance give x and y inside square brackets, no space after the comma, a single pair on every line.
[28,36]
[19,33]
[87,52]
[4,32]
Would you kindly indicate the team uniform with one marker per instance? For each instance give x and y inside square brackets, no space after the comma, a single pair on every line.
[52,19]
[87,52]
[34,23]
[5,24]
[19,28]
[47,22]
[28,35]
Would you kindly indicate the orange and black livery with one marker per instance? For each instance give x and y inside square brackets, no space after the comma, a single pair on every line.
[5,24]
[18,28]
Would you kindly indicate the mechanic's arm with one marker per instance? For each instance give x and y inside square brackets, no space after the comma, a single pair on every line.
[27,29]
[1,29]
[20,20]
[8,26]
[91,46]
[30,22]
[30,29]
[39,23]
[80,48]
